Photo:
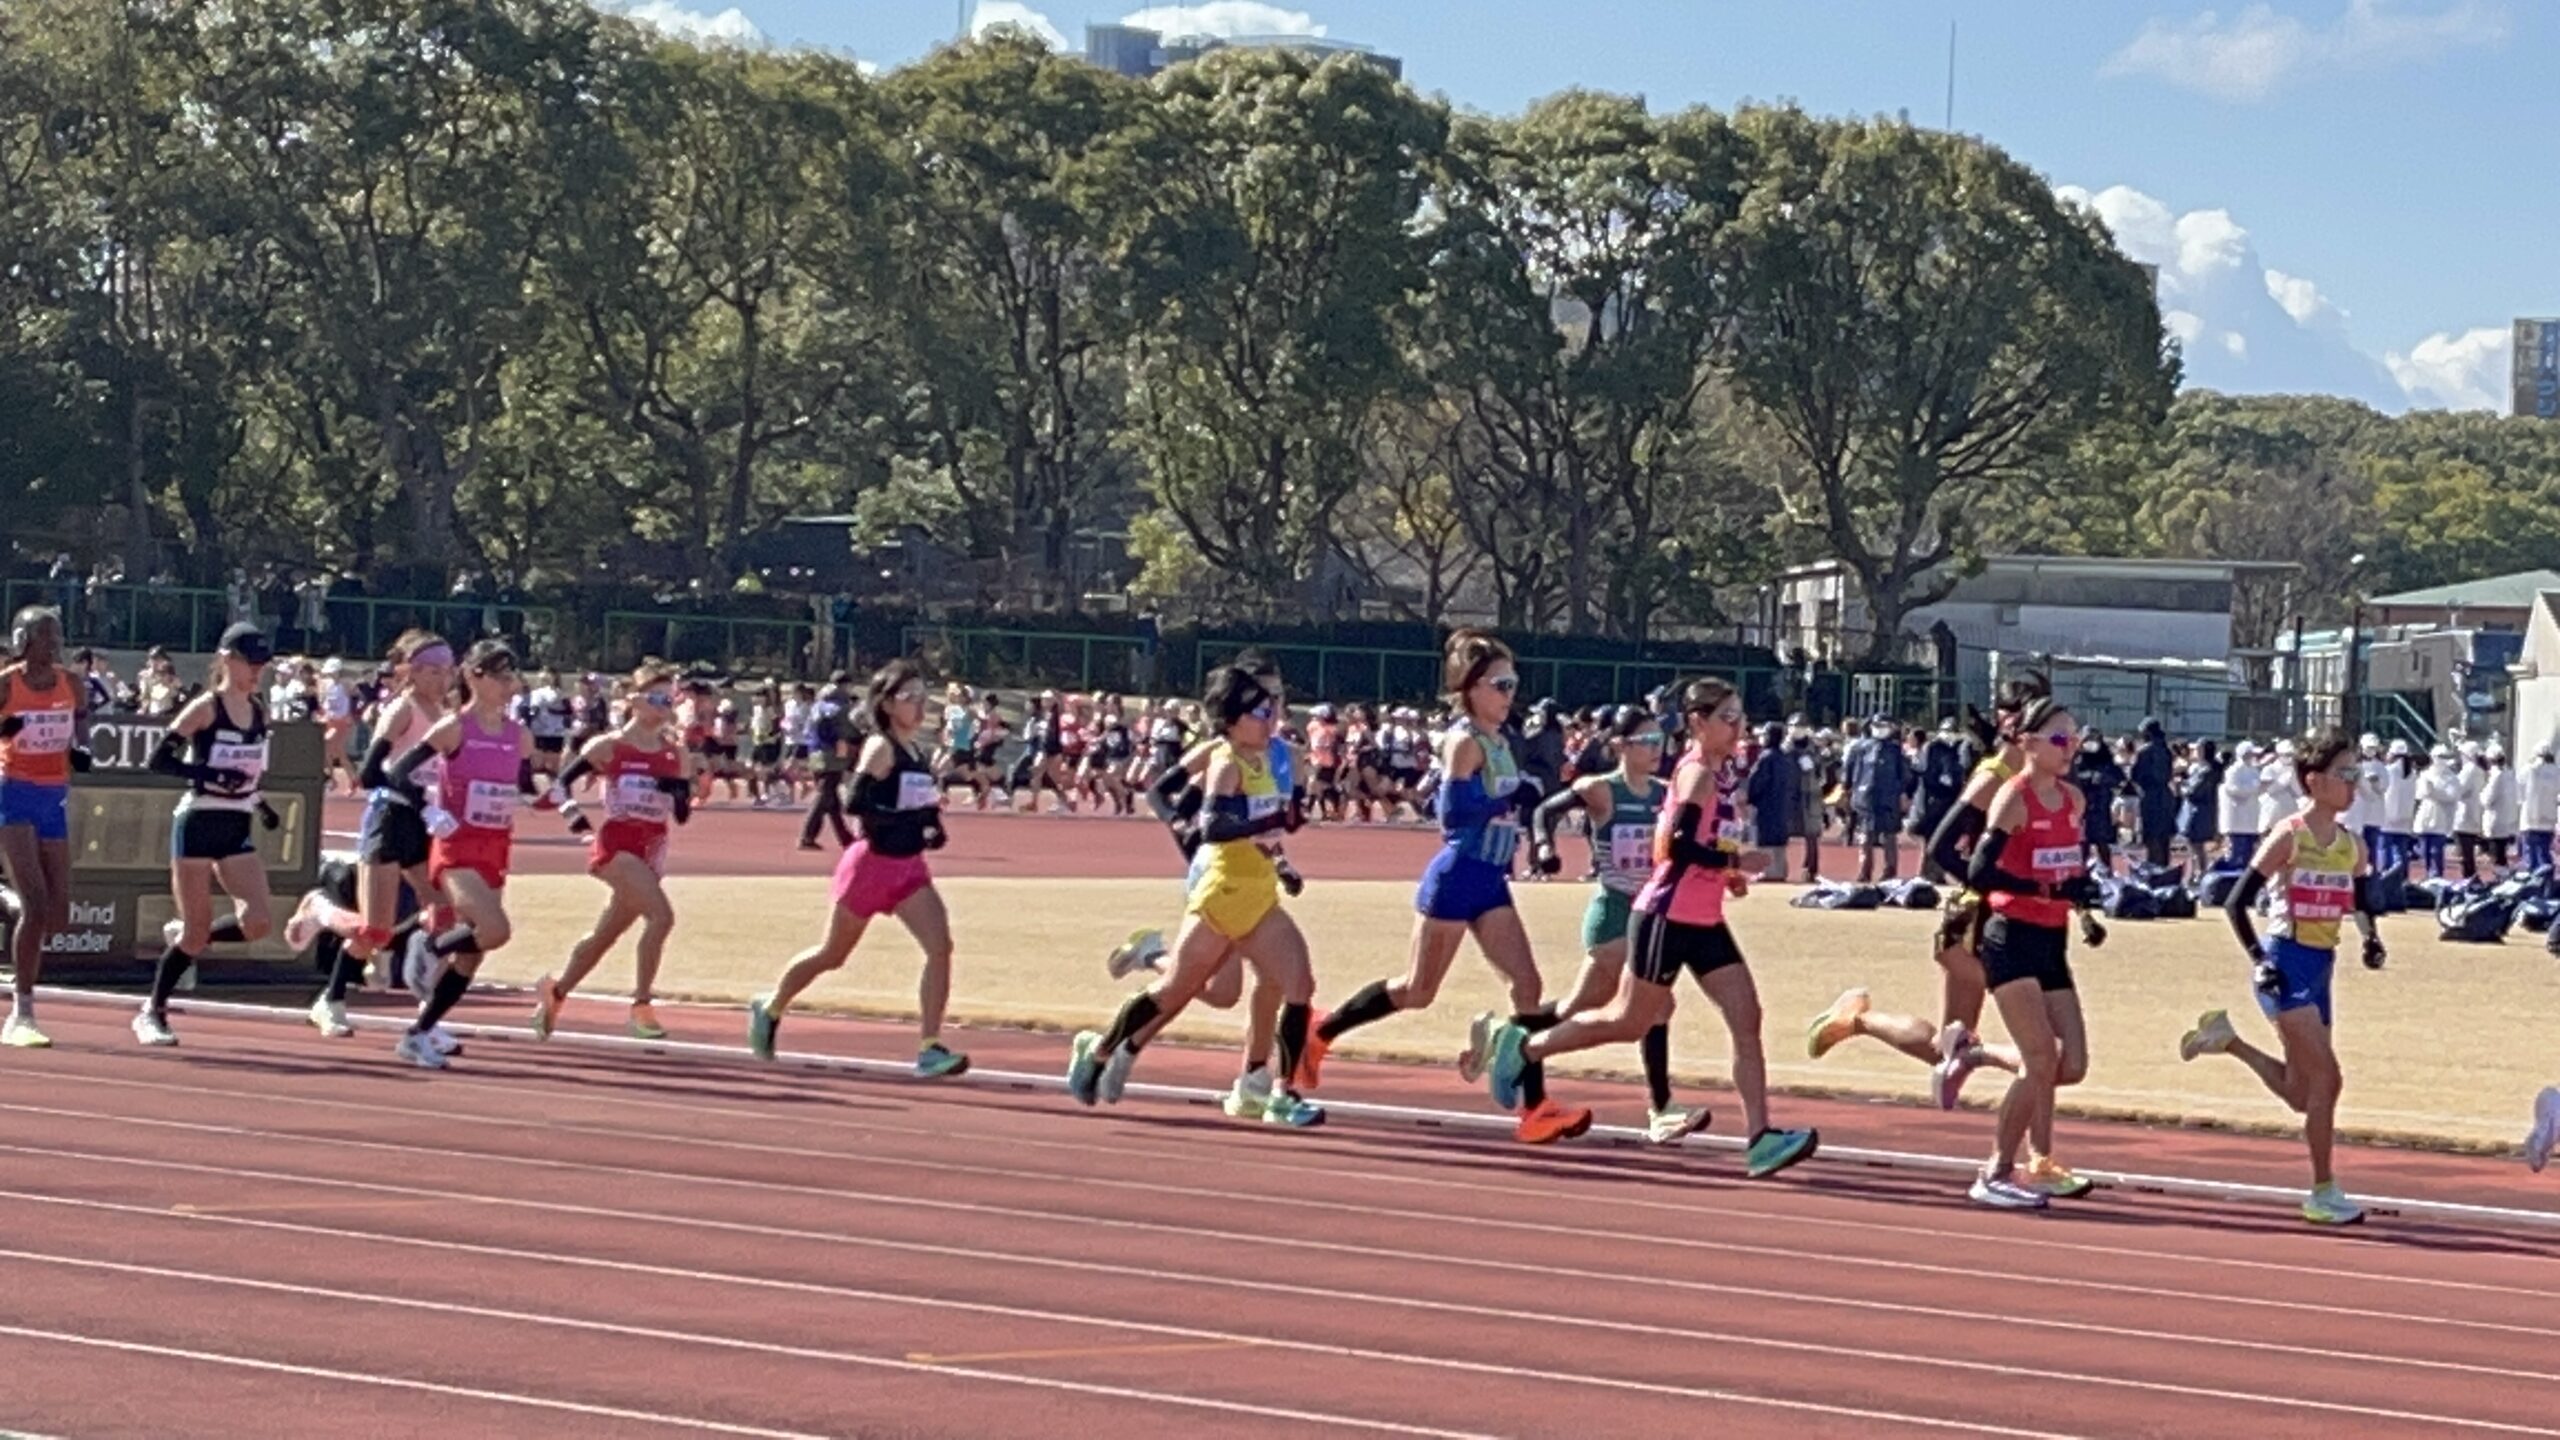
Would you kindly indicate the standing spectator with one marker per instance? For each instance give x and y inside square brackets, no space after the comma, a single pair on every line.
[2099,777]
[2541,808]
[2239,800]
[2399,808]
[2500,805]
[1879,772]
[830,744]
[2439,806]
[1771,788]
[1941,782]
[2156,805]
[2470,818]
[1813,780]
[2279,790]
[2364,813]
[2200,817]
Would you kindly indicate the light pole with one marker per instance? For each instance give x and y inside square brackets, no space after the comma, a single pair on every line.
[2349,717]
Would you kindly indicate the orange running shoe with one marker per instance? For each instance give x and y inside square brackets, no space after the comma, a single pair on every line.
[1548,1122]
[1311,1060]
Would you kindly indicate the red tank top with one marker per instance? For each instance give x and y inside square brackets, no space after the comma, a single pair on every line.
[631,794]
[1324,738]
[2046,849]
[40,753]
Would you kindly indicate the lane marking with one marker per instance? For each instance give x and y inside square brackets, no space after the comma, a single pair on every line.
[1083,1352]
[394,1382]
[2226,1190]
[291,1205]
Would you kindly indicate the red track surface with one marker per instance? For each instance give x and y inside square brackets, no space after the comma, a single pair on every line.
[266,1233]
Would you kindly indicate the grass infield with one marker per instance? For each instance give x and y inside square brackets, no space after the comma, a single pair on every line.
[2444,1048]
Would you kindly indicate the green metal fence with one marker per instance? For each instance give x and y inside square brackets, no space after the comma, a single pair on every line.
[753,646]
[135,617]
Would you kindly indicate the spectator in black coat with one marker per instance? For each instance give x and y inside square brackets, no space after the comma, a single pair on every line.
[1771,788]
[1941,782]
[2200,820]
[2099,777]
[2156,804]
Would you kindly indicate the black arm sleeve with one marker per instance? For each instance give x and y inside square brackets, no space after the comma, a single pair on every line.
[679,793]
[169,758]
[576,770]
[403,771]
[1550,814]
[1164,797]
[1685,846]
[1947,847]
[1226,821]
[525,784]
[869,794]
[2240,905]
[1984,874]
[372,774]
[2368,903]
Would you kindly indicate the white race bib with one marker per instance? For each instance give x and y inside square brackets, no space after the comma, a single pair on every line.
[489,805]
[916,791]
[45,732]
[247,757]
[2320,894]
[1630,847]
[637,797]
[2055,860]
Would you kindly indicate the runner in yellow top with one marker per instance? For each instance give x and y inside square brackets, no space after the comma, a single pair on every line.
[2325,876]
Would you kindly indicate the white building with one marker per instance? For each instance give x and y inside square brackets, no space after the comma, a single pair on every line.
[2534,705]
[2032,605]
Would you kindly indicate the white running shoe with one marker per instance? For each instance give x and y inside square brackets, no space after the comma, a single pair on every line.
[2006,1194]
[1143,950]
[170,932]
[1953,1039]
[419,1050]
[2546,1130]
[2213,1035]
[1250,1096]
[303,930]
[444,1040]
[329,1017]
[153,1029]
[1115,1074]
[1471,1061]
[21,1034]
[1946,1080]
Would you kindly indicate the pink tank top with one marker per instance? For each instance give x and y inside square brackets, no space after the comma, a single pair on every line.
[1678,891]
[479,786]
[417,719]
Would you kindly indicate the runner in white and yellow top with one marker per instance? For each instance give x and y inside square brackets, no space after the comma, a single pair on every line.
[2324,877]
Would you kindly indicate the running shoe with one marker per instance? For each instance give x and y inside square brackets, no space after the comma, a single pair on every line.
[171,930]
[329,1017]
[1291,1111]
[1947,1077]
[643,1023]
[1141,951]
[2329,1205]
[304,928]
[1311,1059]
[2005,1194]
[419,1050]
[2057,1179]
[1672,1125]
[21,1033]
[1115,1074]
[762,1023]
[2213,1035]
[1250,1097]
[2537,1146]
[1774,1150]
[1471,1061]
[1548,1122]
[546,1007]
[444,1040]
[1084,1072]
[935,1062]
[1954,1038]
[153,1029]
[420,966]
[1504,1066]
[1837,1023]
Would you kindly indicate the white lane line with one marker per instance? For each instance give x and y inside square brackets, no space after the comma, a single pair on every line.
[1529,1271]
[1311,1168]
[1969,1273]
[1478,1121]
[393,1382]
[1339,1294]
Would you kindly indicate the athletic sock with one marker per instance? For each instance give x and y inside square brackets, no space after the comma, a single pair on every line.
[226,931]
[1370,1004]
[1290,1042]
[1656,1049]
[460,940]
[342,975]
[164,981]
[1133,1018]
[440,1001]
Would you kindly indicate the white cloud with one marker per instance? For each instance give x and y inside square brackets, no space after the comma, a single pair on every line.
[866,68]
[991,13]
[2251,54]
[1224,18]
[2236,343]
[728,27]
[2184,325]
[2300,298]
[2468,371]
[2189,250]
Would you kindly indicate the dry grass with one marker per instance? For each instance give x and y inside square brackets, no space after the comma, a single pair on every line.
[2446,1047]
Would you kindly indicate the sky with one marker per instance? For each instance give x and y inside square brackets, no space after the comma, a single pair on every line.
[2351,197]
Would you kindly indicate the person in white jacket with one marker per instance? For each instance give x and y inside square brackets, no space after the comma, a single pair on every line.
[2240,784]
[2469,820]
[2439,793]
[2399,808]
[2364,810]
[2501,807]
[2541,808]
[2279,792]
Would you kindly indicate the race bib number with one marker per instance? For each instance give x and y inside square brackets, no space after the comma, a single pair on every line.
[917,792]
[249,758]
[2320,894]
[2055,862]
[45,732]
[489,805]
[1630,847]
[637,797]
[440,822]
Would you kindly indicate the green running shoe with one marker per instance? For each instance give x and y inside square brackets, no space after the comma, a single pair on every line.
[762,1025]
[1774,1150]
[939,1062]
[1084,1072]
[1287,1109]
[2329,1205]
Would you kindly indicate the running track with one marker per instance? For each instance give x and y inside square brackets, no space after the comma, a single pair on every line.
[267,1233]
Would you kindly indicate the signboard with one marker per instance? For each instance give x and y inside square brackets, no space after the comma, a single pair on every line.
[120,819]
[2537,369]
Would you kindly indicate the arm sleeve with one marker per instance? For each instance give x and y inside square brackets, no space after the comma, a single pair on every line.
[2242,902]
[1227,821]
[570,774]
[679,793]
[1984,874]
[403,771]
[1551,813]
[1685,845]
[1465,802]
[1962,825]
[377,760]
[169,758]
[525,783]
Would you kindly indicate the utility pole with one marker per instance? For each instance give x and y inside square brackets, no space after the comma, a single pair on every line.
[1951,77]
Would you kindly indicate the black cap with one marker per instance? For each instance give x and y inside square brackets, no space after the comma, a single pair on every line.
[248,642]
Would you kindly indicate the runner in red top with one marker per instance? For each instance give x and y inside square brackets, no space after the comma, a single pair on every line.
[646,782]
[2028,866]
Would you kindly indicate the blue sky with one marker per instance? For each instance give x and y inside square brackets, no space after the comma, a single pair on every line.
[2350,196]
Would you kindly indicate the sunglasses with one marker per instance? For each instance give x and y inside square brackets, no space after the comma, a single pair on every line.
[657,700]
[1643,742]
[911,695]
[2061,740]
[1504,684]
[1264,712]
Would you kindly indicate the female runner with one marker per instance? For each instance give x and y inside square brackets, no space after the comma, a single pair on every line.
[41,720]
[485,771]
[218,745]
[2319,874]
[1678,924]
[1623,804]
[1467,888]
[2028,867]
[392,842]
[647,785]
[1235,905]
[899,807]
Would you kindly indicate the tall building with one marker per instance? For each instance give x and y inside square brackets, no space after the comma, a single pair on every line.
[1133,51]
[2538,369]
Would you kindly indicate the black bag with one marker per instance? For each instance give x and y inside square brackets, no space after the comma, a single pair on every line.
[1911,893]
[2391,891]
[2176,902]
[2536,914]
[1830,896]
[2153,877]
[2478,919]
[2214,890]
[2128,901]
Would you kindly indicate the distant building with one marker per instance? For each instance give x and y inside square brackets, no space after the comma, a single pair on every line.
[2537,369]
[2494,602]
[1139,53]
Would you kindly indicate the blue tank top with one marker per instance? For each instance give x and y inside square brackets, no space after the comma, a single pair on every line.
[1489,838]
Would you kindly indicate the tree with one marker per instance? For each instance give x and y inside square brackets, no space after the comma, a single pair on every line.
[1402,530]
[1922,320]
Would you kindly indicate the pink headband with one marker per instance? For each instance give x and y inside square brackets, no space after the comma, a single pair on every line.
[434,655]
